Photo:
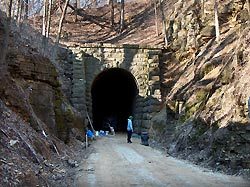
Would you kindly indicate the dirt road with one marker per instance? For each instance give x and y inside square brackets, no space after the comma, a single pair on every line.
[116,163]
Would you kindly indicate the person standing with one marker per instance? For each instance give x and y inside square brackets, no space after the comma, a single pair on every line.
[129,129]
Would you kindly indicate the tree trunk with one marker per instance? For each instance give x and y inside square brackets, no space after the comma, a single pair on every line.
[156,18]
[14,9]
[76,6]
[203,7]
[112,21]
[45,9]
[19,18]
[164,31]
[122,14]
[9,10]
[18,8]
[248,8]
[216,21]
[26,9]
[61,21]
[49,18]
[45,21]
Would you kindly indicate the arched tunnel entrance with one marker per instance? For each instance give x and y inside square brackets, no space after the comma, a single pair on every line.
[113,98]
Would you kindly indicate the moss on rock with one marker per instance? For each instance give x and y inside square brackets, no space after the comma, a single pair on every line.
[65,117]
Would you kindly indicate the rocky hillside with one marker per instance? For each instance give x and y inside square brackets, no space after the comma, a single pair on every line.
[206,85]
[35,120]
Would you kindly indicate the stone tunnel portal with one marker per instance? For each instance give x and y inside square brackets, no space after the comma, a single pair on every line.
[113,98]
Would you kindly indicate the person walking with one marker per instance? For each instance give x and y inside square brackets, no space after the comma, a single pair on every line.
[129,129]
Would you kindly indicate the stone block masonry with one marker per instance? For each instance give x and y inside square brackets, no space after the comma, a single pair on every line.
[89,60]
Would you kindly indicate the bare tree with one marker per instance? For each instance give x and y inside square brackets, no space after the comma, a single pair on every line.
[216,20]
[76,7]
[156,18]
[13,8]
[26,9]
[203,7]
[9,10]
[163,19]
[112,21]
[61,21]
[122,16]
[248,7]
[45,9]
[18,8]
[20,12]
[49,18]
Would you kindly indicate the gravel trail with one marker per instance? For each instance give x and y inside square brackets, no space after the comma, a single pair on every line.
[116,163]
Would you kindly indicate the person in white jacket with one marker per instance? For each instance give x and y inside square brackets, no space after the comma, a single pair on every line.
[129,129]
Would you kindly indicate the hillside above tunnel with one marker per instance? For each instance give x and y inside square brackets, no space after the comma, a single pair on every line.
[93,25]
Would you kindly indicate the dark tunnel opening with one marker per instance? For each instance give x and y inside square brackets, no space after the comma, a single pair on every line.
[113,95]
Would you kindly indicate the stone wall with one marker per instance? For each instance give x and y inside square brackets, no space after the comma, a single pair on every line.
[89,60]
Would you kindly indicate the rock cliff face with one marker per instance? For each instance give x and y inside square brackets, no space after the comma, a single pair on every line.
[34,91]
[36,120]
[206,84]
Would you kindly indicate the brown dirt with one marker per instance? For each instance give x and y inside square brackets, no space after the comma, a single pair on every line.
[139,25]
[113,162]
[28,158]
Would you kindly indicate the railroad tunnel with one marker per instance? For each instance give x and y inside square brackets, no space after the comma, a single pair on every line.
[113,98]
